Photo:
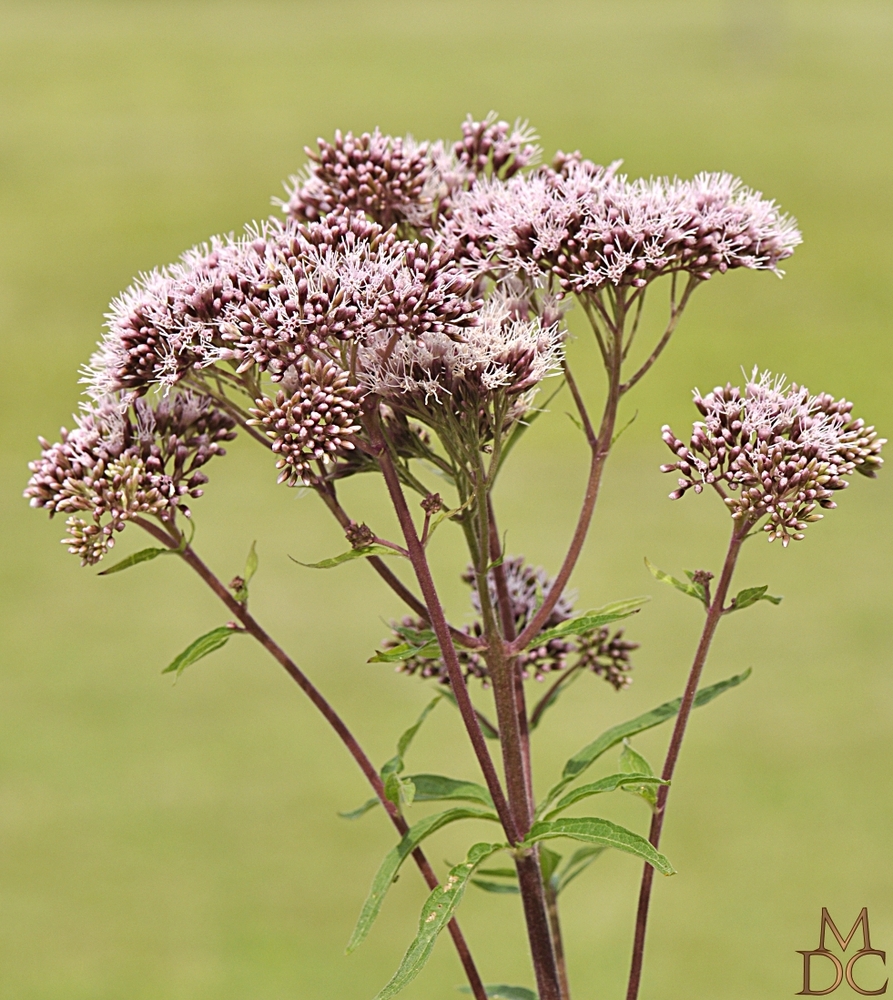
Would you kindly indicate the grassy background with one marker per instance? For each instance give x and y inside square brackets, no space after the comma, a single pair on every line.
[162,843]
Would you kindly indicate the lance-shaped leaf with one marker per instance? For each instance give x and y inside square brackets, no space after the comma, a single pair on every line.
[498,888]
[361,553]
[500,991]
[436,914]
[144,555]
[384,877]
[395,765]
[744,598]
[434,788]
[695,590]
[360,810]
[579,861]
[201,647]
[591,620]
[634,763]
[609,784]
[405,651]
[594,830]
[549,862]
[611,737]
[251,563]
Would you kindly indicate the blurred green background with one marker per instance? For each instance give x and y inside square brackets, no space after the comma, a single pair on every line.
[182,843]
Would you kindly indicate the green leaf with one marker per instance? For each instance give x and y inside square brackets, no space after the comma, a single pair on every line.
[592,619]
[609,784]
[503,992]
[200,648]
[751,595]
[437,788]
[414,636]
[436,914]
[611,737]
[144,555]
[634,763]
[361,810]
[499,888]
[580,860]
[499,872]
[361,553]
[251,563]
[593,830]
[627,425]
[444,514]
[389,867]
[695,590]
[393,786]
[549,861]
[405,651]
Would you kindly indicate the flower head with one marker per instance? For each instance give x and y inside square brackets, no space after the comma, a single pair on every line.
[120,463]
[780,451]
[589,227]
[604,654]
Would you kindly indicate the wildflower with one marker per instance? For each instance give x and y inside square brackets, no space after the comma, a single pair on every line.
[316,423]
[117,464]
[604,654]
[588,227]
[782,451]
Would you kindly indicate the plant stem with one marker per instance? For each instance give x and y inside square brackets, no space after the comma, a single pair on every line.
[240,611]
[558,944]
[714,613]
[600,452]
[527,863]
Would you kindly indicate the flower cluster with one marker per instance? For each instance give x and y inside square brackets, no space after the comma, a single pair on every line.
[119,463]
[429,375]
[587,227]
[780,451]
[599,651]
[396,180]
[316,423]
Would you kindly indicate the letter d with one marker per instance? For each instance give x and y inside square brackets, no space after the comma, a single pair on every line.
[807,990]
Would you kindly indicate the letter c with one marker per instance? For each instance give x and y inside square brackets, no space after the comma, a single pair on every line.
[849,972]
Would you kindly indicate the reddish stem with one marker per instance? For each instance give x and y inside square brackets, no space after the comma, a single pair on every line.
[714,613]
[240,612]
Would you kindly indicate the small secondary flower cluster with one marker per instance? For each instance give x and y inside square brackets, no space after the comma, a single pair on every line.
[783,452]
[605,654]
[119,463]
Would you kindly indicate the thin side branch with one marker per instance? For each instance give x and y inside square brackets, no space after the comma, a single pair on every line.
[240,611]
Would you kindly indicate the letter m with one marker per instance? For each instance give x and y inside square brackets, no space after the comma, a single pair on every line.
[862,919]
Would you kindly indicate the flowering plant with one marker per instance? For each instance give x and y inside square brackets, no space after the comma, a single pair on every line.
[400,319]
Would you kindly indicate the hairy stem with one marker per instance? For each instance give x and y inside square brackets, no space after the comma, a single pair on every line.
[240,612]
[714,613]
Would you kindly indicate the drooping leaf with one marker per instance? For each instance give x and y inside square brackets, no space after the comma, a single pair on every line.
[634,763]
[611,737]
[594,830]
[609,784]
[144,555]
[200,648]
[360,810]
[695,590]
[360,553]
[389,867]
[579,861]
[591,620]
[502,992]
[751,595]
[436,914]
